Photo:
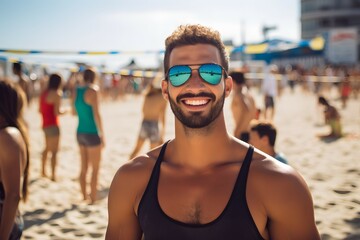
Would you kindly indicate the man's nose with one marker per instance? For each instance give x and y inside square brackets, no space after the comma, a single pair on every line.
[195,80]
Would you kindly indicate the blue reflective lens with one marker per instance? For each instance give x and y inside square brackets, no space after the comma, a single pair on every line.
[179,74]
[211,73]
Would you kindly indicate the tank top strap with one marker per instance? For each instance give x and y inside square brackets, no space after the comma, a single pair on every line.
[240,185]
[161,156]
[150,194]
[81,89]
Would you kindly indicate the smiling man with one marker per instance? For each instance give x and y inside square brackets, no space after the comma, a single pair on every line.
[205,183]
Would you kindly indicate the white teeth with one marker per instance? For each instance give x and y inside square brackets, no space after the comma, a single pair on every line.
[195,102]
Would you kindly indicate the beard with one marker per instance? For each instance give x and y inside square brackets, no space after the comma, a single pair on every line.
[197,119]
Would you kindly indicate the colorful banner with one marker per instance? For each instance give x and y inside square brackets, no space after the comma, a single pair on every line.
[19,51]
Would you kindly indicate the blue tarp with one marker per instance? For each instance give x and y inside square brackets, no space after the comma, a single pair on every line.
[278,48]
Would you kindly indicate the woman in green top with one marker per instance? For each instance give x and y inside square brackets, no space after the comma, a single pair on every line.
[90,135]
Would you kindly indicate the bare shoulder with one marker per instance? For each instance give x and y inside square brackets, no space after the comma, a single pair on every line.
[91,94]
[10,135]
[59,93]
[136,168]
[131,178]
[284,197]
[93,88]
[12,139]
[268,171]
[54,95]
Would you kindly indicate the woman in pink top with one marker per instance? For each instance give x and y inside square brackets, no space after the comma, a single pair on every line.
[49,108]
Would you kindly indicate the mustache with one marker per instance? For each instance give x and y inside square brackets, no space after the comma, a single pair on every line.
[191,95]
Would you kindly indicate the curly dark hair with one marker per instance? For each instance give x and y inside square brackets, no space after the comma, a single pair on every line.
[191,35]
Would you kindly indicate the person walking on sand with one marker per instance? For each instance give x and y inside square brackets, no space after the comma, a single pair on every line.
[49,108]
[345,90]
[90,134]
[242,106]
[205,183]
[14,160]
[23,81]
[153,109]
[269,88]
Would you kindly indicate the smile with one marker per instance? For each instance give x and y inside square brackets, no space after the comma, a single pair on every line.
[196,102]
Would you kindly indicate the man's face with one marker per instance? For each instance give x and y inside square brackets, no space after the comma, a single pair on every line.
[196,103]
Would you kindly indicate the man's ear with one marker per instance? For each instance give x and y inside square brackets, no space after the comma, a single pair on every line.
[164,89]
[228,85]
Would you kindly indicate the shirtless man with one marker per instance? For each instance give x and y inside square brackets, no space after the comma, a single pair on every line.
[23,81]
[242,106]
[205,183]
[154,108]
[269,88]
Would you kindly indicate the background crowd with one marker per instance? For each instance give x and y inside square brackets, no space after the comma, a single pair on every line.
[332,85]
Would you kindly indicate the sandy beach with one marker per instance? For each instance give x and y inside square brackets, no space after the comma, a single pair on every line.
[331,168]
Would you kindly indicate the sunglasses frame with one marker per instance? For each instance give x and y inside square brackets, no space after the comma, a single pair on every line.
[200,65]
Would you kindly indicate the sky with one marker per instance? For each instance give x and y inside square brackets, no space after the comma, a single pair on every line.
[133,25]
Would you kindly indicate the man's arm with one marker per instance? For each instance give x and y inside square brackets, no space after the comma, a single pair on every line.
[123,223]
[290,208]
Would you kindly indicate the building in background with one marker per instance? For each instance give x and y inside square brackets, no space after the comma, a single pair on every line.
[338,21]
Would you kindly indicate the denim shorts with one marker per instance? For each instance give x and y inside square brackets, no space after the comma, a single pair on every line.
[88,139]
[51,131]
[150,130]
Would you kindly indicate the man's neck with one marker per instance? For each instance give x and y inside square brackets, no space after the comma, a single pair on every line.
[198,148]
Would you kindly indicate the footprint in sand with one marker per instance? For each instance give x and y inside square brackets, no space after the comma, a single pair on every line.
[355,221]
[353,171]
[342,191]
[95,235]
[326,237]
[79,234]
[67,230]
[331,204]
[320,177]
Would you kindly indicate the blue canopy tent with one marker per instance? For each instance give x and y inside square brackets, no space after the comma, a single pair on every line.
[273,49]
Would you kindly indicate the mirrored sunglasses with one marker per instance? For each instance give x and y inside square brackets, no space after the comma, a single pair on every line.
[209,72]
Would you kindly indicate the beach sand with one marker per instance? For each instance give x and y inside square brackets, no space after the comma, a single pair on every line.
[331,168]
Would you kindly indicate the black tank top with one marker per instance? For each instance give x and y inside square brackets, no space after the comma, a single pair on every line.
[235,222]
